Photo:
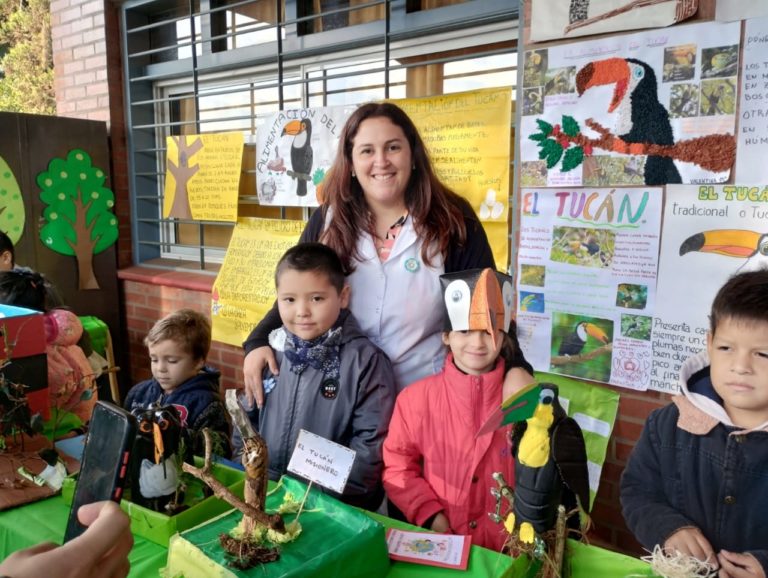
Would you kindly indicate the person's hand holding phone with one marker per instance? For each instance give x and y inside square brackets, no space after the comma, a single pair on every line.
[100,552]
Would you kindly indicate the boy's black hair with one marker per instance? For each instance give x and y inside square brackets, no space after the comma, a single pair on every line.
[314,257]
[24,289]
[190,329]
[744,297]
[7,245]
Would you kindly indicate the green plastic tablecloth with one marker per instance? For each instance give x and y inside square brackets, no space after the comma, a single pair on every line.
[45,521]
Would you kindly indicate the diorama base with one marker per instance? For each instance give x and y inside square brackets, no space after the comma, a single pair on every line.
[336,540]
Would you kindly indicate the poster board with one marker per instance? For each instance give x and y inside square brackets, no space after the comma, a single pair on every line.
[244,290]
[586,282]
[467,135]
[600,112]
[710,233]
[202,178]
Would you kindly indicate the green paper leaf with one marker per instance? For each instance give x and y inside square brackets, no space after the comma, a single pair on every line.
[544,126]
[570,126]
[554,157]
[539,136]
[573,158]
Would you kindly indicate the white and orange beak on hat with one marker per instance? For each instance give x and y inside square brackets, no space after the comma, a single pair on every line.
[478,300]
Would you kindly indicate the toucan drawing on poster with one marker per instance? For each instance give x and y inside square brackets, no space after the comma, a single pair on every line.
[301,153]
[573,343]
[751,246]
[642,119]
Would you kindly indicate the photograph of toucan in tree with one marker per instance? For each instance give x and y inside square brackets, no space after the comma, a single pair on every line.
[301,153]
[583,246]
[636,327]
[581,346]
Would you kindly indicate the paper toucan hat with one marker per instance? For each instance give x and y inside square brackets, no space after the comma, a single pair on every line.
[477,299]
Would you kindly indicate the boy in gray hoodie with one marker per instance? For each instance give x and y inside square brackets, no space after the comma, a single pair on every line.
[332,380]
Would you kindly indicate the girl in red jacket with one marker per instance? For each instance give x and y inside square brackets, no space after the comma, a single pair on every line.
[436,471]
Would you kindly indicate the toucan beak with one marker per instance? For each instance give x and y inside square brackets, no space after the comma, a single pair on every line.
[596,332]
[729,242]
[486,312]
[158,437]
[609,71]
[294,127]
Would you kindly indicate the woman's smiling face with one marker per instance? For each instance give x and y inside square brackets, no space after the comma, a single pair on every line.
[382,161]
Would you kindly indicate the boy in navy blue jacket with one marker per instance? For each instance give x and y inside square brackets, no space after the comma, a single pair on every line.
[178,345]
[697,480]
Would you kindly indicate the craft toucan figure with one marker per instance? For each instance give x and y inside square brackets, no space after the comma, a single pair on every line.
[550,468]
[642,119]
[301,153]
[573,343]
[156,456]
[739,243]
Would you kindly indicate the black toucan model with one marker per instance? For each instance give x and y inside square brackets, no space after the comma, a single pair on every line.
[301,153]
[155,459]
[642,119]
[550,467]
[573,343]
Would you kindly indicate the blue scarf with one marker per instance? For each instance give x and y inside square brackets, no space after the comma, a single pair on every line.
[322,353]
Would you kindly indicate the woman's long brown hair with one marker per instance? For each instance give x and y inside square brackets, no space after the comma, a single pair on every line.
[434,208]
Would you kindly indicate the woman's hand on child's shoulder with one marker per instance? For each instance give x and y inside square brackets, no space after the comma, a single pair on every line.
[733,565]
[253,369]
[691,541]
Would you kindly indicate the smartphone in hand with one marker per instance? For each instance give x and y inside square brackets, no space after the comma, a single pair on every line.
[105,461]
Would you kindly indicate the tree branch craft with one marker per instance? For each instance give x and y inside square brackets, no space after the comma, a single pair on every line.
[610,14]
[79,217]
[566,142]
[182,172]
[221,491]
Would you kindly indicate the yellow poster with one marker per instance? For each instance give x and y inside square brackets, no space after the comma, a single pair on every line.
[202,177]
[245,288]
[468,137]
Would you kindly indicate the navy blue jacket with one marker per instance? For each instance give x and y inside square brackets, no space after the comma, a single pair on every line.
[692,468]
[197,400]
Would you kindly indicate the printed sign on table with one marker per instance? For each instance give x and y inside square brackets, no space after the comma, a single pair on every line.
[586,282]
[443,550]
[321,461]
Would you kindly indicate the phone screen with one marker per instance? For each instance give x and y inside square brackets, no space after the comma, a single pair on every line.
[105,461]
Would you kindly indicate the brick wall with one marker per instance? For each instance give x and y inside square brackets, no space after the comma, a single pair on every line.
[609,528]
[89,84]
[147,301]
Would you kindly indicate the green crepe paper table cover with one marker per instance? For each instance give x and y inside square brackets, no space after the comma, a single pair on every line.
[45,521]
[336,540]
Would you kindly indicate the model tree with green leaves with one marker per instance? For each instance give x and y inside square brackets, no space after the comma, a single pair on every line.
[79,217]
[11,204]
